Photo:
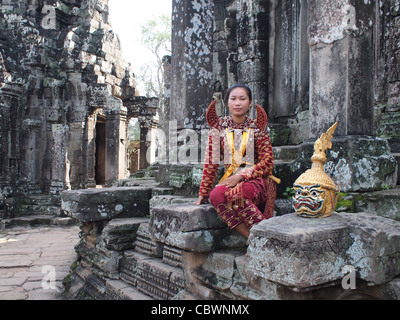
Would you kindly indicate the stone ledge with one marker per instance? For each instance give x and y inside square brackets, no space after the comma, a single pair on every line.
[192,228]
[385,203]
[162,200]
[105,204]
[302,253]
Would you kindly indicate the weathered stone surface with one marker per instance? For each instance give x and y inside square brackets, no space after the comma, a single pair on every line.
[36,220]
[184,178]
[184,218]
[388,123]
[106,204]
[119,290]
[192,27]
[146,244]
[302,253]
[384,203]
[105,261]
[218,269]
[192,228]
[120,234]
[172,256]
[161,200]
[341,66]
[356,163]
[246,285]
[151,276]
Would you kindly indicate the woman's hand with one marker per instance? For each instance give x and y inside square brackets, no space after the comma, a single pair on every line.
[201,200]
[232,181]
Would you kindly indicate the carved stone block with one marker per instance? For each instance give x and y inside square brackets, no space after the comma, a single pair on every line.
[301,253]
[146,244]
[151,276]
[192,228]
[106,204]
[120,234]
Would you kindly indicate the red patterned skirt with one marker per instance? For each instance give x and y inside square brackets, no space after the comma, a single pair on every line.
[249,202]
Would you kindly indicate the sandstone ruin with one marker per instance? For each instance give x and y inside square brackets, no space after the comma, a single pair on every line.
[66,99]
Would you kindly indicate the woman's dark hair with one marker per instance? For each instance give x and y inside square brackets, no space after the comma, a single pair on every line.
[228,93]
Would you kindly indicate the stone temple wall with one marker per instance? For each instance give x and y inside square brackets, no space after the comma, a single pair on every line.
[270,45]
[66,98]
[309,65]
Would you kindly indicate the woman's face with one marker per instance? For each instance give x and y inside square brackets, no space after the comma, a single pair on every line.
[239,102]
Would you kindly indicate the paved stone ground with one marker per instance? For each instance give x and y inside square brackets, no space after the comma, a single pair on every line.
[34,261]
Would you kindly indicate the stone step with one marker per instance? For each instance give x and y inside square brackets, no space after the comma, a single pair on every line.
[162,200]
[394,144]
[146,244]
[37,199]
[36,220]
[385,203]
[35,209]
[286,153]
[397,157]
[33,204]
[285,171]
[149,182]
[151,276]
[120,290]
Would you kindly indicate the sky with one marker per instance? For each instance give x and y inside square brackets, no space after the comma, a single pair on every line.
[126,17]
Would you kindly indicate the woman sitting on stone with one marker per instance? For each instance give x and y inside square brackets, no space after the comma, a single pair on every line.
[246,193]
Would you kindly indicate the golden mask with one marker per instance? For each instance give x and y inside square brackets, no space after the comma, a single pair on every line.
[315,192]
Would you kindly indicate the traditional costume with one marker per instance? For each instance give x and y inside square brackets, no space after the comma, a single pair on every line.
[246,150]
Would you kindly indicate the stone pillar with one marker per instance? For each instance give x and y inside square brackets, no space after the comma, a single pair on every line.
[90,159]
[191,81]
[144,146]
[165,104]
[341,89]
[341,66]
[115,114]
[10,131]
[59,162]
[252,38]
[146,110]
[394,54]
[76,153]
[225,48]
[147,122]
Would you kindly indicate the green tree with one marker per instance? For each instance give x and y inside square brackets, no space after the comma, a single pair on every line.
[156,36]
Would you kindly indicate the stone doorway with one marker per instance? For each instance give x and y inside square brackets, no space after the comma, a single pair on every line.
[100,166]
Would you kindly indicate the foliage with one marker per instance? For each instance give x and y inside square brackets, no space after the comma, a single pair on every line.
[156,36]
[289,193]
[134,130]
